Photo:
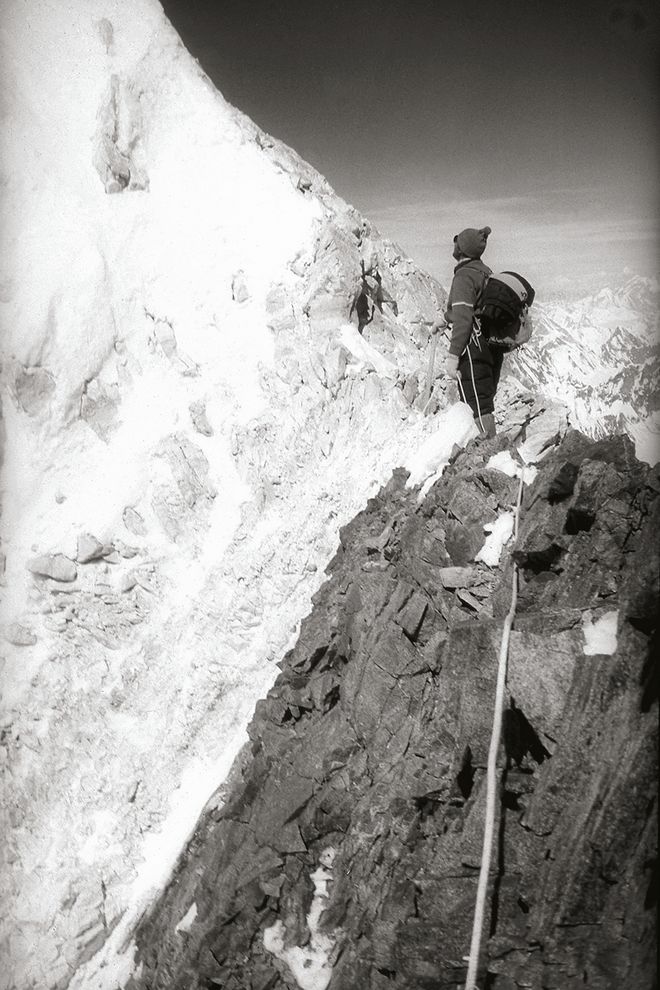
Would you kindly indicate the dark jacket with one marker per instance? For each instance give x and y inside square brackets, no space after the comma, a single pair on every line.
[469,279]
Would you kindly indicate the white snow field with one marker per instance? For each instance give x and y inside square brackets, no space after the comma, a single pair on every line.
[188,421]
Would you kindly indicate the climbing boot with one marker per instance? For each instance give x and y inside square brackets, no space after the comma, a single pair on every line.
[486,425]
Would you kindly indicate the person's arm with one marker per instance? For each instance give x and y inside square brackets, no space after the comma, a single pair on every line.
[463,299]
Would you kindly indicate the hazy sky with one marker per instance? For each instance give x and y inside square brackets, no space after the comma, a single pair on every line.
[536,117]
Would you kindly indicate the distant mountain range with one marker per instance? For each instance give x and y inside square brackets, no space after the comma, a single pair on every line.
[600,356]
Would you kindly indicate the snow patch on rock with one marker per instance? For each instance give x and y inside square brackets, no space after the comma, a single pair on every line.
[453,427]
[600,633]
[500,532]
[646,435]
[504,462]
[310,965]
[186,922]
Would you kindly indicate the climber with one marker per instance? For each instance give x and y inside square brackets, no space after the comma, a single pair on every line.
[361,305]
[471,362]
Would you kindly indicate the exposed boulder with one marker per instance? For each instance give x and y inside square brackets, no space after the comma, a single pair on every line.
[199,418]
[34,389]
[239,290]
[19,635]
[119,154]
[99,407]
[89,548]
[369,753]
[53,565]
[134,522]
[185,508]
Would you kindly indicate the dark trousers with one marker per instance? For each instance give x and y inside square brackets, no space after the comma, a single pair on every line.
[480,367]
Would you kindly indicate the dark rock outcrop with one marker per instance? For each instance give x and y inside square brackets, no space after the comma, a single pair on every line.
[373,744]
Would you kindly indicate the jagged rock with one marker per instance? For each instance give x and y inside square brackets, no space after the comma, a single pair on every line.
[279,310]
[119,158]
[34,387]
[165,339]
[563,483]
[334,365]
[410,388]
[19,635]
[239,290]
[55,566]
[106,33]
[183,508]
[128,582]
[374,741]
[89,548]
[544,431]
[469,599]
[125,550]
[327,310]
[458,577]
[99,407]
[134,522]
[164,334]
[200,419]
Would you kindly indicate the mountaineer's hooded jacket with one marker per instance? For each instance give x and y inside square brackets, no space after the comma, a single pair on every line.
[469,279]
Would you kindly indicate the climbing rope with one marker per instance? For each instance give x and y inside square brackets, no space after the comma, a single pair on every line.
[474,384]
[491,777]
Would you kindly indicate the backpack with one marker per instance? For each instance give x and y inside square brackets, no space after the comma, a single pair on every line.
[501,309]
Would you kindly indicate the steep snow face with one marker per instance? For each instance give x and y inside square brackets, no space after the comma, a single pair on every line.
[189,419]
[601,356]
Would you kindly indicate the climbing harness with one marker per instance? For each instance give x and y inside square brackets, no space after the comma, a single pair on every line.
[491,776]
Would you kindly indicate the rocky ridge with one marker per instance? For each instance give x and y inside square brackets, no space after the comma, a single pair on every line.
[345,850]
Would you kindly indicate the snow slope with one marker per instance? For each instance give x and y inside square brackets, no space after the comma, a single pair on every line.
[189,418]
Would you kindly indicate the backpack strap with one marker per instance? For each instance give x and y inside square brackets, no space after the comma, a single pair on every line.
[480,295]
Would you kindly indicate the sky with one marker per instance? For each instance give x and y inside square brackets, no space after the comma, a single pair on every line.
[535,117]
